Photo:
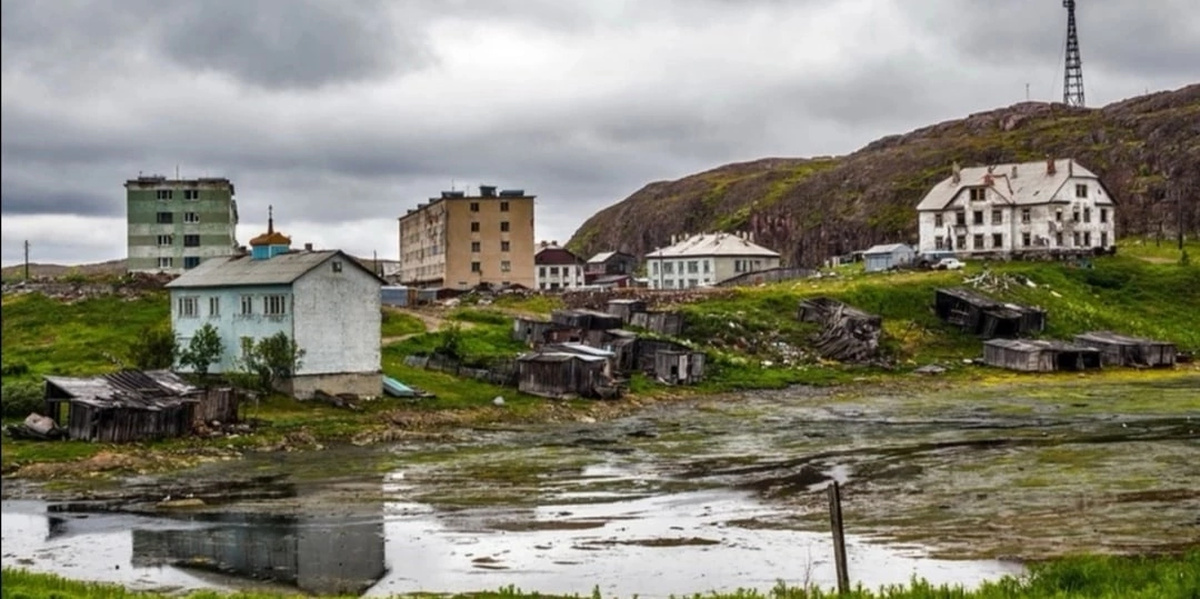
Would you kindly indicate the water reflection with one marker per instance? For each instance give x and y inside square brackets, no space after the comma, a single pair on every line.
[316,555]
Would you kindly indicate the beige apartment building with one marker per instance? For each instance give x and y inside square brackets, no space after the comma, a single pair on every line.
[461,241]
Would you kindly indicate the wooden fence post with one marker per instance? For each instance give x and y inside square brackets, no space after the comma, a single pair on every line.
[839,537]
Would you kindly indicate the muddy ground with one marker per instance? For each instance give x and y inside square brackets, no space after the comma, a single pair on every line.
[1024,470]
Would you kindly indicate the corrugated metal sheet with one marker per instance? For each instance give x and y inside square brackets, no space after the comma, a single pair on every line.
[128,389]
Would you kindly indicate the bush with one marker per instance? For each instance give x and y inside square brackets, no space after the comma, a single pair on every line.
[20,398]
[154,349]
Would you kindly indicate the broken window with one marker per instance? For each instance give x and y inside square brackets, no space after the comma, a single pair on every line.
[997,217]
[274,305]
[191,241]
[191,261]
[978,194]
[1026,238]
[503,226]
[960,218]
[1104,215]
[165,218]
[937,220]
[504,246]
[164,240]
[503,206]
[474,227]
[978,217]
[191,217]
[1026,216]
[189,307]
[997,240]
[474,206]
[476,267]
[164,194]
[505,266]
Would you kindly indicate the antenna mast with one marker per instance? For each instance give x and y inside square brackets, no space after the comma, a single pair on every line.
[1073,75]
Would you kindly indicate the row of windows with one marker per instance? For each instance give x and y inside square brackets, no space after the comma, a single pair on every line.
[189,241]
[169,194]
[505,266]
[1083,239]
[503,206]
[167,218]
[554,270]
[504,226]
[272,305]
[476,246]
[960,217]
[169,262]
[692,267]
[683,283]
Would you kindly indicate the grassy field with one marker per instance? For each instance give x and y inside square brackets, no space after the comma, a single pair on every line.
[1095,577]
[751,335]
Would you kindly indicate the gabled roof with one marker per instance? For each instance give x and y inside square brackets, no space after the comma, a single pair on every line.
[887,249]
[553,255]
[713,244]
[1033,183]
[282,269]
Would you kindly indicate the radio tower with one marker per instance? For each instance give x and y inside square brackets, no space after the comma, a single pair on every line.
[1073,76]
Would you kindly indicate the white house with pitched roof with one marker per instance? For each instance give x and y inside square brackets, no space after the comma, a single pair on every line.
[707,259]
[1008,209]
[326,301]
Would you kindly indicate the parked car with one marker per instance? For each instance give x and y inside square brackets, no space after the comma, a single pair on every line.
[949,264]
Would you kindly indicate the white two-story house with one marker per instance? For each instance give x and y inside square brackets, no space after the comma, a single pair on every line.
[326,301]
[707,259]
[1009,209]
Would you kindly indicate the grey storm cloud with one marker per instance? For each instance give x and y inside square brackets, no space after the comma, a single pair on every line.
[344,113]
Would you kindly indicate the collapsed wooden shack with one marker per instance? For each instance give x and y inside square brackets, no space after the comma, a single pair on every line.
[624,346]
[626,308]
[661,322]
[531,331]
[563,375]
[1039,355]
[675,367]
[1123,350]
[847,333]
[587,320]
[980,315]
[134,405]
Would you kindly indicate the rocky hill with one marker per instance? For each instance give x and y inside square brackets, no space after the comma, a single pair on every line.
[1143,148]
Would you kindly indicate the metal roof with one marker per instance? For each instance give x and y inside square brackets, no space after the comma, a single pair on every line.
[559,357]
[148,390]
[1032,183]
[713,244]
[281,269]
[601,257]
[887,249]
[1032,345]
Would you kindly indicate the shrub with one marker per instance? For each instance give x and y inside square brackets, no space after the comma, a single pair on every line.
[203,350]
[154,349]
[19,398]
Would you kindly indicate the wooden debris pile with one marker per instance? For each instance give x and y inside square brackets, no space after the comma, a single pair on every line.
[847,333]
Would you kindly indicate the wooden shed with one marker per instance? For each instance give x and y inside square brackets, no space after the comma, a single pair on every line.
[679,367]
[1123,350]
[588,320]
[663,323]
[980,315]
[647,348]
[562,375]
[1037,355]
[133,405]
[532,331]
[626,308]
[624,346]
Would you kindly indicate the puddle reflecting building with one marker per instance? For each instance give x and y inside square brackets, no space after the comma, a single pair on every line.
[320,556]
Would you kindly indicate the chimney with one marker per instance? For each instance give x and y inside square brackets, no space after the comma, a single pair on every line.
[1014,171]
[1050,168]
[1070,168]
[308,247]
[988,180]
[955,173]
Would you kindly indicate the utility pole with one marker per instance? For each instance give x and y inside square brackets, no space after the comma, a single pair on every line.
[27,260]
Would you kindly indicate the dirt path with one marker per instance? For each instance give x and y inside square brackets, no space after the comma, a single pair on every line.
[433,322]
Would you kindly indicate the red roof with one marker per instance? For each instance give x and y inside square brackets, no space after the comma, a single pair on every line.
[553,256]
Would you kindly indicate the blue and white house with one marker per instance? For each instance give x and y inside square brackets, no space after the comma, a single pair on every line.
[326,301]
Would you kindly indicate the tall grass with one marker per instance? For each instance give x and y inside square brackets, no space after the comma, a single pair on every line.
[1077,577]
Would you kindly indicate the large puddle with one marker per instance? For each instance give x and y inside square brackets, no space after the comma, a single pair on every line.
[721,494]
[651,547]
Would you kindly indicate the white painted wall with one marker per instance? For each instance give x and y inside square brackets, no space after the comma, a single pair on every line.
[570,276]
[337,319]
[1043,226]
[699,271]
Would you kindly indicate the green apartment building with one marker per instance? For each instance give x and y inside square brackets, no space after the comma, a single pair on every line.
[175,224]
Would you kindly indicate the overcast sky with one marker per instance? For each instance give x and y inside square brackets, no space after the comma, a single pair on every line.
[344,113]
